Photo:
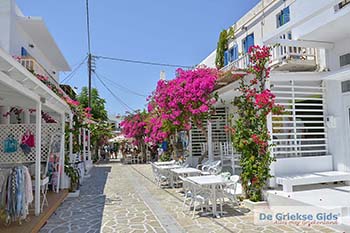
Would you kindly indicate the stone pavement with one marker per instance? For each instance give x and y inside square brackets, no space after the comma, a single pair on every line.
[124,198]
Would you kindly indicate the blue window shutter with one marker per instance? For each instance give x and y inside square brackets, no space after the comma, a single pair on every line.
[24,52]
[225,58]
[250,41]
[231,58]
[235,53]
[286,14]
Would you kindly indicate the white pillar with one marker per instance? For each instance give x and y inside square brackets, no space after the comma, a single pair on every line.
[62,153]
[70,135]
[89,144]
[37,157]
[210,141]
[84,144]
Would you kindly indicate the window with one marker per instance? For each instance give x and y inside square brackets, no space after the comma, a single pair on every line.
[233,52]
[345,86]
[344,59]
[24,52]
[226,58]
[248,42]
[283,17]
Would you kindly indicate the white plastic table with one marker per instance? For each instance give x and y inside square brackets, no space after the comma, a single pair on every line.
[188,171]
[164,163]
[212,181]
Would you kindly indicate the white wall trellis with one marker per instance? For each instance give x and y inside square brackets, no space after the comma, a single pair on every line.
[17,130]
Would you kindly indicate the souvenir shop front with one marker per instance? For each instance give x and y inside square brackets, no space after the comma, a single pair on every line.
[32,122]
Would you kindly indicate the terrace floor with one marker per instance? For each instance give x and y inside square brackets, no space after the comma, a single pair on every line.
[124,198]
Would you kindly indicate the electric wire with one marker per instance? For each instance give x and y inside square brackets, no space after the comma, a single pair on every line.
[121,86]
[71,74]
[115,96]
[142,62]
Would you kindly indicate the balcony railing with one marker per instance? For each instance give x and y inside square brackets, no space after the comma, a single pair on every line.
[32,65]
[283,58]
[293,58]
[241,63]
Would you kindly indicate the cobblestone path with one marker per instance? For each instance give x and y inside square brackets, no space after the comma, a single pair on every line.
[123,198]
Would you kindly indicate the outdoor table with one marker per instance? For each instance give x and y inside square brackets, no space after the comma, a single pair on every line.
[164,163]
[212,181]
[176,172]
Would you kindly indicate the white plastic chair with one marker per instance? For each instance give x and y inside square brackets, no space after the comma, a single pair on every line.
[230,190]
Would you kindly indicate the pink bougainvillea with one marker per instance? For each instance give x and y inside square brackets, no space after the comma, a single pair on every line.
[177,102]
[133,126]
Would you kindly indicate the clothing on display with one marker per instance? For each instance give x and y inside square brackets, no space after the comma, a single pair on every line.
[16,193]
[10,144]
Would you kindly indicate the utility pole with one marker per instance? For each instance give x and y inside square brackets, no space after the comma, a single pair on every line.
[89,52]
[90,73]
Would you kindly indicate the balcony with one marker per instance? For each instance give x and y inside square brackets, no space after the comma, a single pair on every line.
[33,66]
[283,58]
[293,58]
[239,64]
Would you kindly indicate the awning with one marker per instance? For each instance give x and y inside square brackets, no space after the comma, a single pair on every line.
[17,83]
[35,27]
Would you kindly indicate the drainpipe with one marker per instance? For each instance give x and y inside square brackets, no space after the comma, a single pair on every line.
[37,157]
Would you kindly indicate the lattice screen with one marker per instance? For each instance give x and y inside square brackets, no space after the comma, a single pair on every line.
[301,130]
[17,130]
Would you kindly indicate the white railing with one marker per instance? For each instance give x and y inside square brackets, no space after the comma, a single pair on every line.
[32,65]
[279,54]
[241,63]
[286,53]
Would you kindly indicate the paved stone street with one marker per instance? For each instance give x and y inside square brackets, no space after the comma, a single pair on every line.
[123,198]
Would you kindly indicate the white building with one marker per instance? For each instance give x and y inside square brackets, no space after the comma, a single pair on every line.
[310,77]
[27,47]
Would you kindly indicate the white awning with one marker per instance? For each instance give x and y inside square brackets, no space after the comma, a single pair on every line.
[20,86]
[35,27]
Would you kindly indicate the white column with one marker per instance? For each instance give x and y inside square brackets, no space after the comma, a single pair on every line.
[210,141]
[84,144]
[37,157]
[62,153]
[89,144]
[70,135]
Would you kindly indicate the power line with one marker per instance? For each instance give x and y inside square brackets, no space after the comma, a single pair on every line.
[143,62]
[116,97]
[71,74]
[122,87]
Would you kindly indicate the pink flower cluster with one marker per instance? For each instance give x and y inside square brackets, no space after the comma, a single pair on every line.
[154,132]
[178,101]
[265,99]
[133,126]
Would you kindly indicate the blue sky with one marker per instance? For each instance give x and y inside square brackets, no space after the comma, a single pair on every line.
[177,32]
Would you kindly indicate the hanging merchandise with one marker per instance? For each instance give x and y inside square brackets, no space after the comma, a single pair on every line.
[16,193]
[28,142]
[28,139]
[10,144]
